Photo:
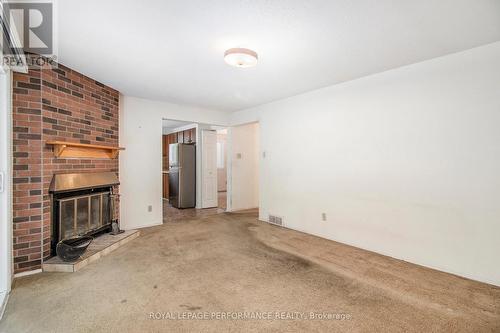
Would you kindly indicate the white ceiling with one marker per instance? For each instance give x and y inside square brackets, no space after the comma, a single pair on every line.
[173,50]
[173,124]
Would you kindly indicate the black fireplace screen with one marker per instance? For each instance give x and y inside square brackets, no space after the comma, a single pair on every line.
[81,204]
[82,214]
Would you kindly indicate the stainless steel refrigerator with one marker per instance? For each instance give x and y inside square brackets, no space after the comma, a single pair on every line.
[182,175]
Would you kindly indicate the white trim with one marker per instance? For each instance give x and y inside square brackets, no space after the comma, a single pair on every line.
[181,128]
[145,226]
[27,273]
[6,195]
[229,168]
[4,298]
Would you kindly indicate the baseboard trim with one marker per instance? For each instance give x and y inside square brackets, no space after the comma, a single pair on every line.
[4,298]
[27,273]
[232,210]
[385,254]
[143,226]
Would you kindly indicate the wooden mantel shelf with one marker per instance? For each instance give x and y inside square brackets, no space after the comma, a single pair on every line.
[82,150]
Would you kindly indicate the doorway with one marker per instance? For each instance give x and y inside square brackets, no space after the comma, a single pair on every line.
[227,167]
[244,167]
[222,168]
[180,138]
[179,142]
[214,168]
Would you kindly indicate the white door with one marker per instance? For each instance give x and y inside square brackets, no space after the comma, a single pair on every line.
[209,168]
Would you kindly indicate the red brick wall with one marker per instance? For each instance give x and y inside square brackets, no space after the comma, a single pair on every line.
[53,104]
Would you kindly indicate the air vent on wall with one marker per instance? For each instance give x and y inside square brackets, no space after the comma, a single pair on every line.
[275,220]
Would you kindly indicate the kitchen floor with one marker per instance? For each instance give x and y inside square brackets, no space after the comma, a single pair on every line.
[222,200]
[173,214]
[207,273]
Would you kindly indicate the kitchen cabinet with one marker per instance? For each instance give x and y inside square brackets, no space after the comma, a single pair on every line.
[187,136]
[191,134]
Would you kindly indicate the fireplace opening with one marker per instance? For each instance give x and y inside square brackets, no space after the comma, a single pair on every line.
[82,205]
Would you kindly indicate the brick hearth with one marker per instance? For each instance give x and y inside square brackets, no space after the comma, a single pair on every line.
[53,104]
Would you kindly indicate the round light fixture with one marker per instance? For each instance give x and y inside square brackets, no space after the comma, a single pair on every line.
[240,57]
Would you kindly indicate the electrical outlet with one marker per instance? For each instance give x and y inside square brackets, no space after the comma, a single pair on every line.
[323,216]
[150,208]
[238,156]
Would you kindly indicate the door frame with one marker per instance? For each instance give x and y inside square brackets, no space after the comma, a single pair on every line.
[203,162]
[229,169]
[6,194]
[200,126]
[229,164]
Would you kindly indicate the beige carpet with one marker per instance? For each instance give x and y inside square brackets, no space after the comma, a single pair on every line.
[208,273]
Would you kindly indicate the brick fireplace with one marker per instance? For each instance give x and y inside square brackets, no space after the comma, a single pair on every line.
[53,105]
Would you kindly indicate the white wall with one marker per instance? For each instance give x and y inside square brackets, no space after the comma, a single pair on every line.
[244,170]
[141,161]
[405,163]
[6,193]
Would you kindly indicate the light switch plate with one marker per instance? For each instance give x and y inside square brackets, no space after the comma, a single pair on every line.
[2,178]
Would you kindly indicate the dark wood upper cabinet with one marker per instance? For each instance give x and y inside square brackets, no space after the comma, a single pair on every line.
[187,136]
[165,152]
[193,134]
[172,138]
[180,137]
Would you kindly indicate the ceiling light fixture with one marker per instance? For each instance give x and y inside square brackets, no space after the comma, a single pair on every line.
[240,57]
